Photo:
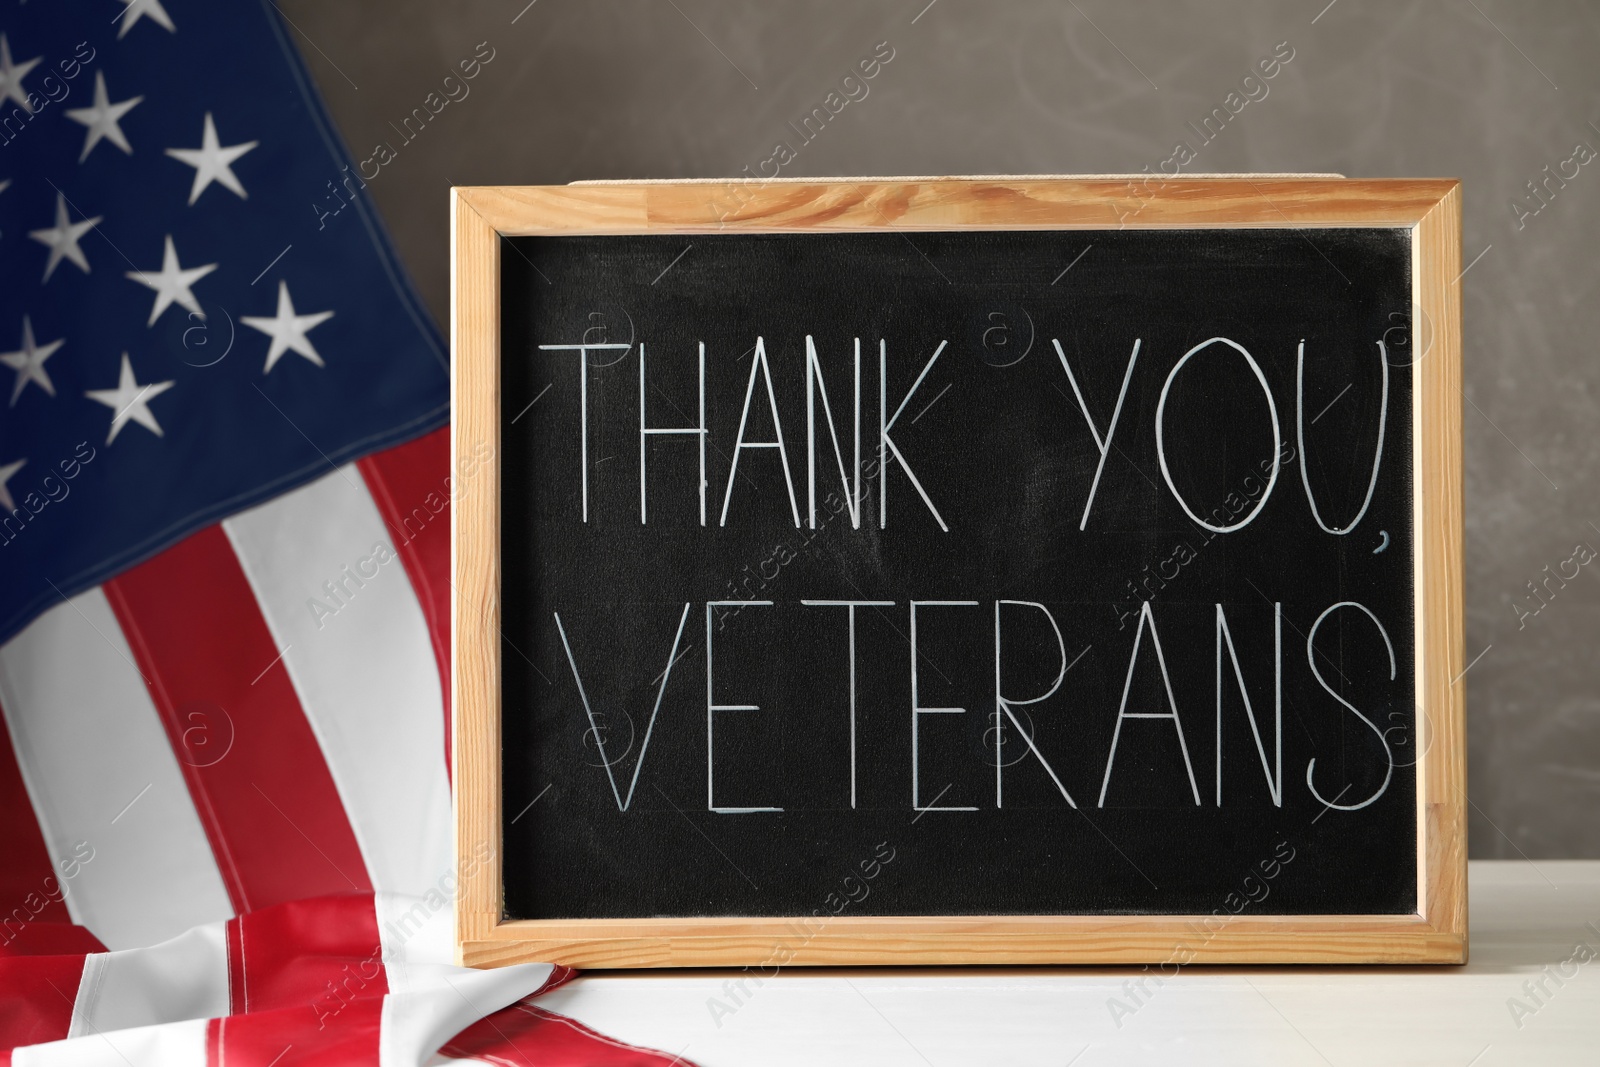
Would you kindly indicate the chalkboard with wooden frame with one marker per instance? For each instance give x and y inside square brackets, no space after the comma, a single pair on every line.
[1186,444]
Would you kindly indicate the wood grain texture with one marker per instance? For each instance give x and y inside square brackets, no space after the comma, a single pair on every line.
[954,203]
[1354,1016]
[475,603]
[1439,565]
[1430,208]
[924,942]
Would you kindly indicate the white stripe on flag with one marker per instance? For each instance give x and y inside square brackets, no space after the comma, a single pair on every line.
[100,771]
[447,1000]
[416,931]
[362,665]
[184,978]
[173,1045]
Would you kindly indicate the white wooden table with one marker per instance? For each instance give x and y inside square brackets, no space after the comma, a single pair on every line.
[1530,924]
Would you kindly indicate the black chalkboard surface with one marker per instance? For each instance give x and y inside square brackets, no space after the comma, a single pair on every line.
[1126,516]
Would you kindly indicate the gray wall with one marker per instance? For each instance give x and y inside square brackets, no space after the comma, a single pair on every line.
[693,88]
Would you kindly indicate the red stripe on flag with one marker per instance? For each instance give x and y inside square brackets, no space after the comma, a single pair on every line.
[52,939]
[39,994]
[321,958]
[238,993]
[29,888]
[252,764]
[412,487]
[290,1038]
[526,1036]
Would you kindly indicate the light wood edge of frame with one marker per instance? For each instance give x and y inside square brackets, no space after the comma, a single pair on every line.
[1179,941]
[969,203]
[475,563]
[1431,208]
[1438,585]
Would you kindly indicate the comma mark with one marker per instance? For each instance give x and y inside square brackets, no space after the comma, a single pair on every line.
[1385,543]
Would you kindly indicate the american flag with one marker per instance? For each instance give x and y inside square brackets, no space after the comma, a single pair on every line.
[224,552]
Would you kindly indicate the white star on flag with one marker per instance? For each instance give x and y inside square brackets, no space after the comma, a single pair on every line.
[6,472]
[136,9]
[287,330]
[11,76]
[130,400]
[28,362]
[172,283]
[62,239]
[212,162]
[102,118]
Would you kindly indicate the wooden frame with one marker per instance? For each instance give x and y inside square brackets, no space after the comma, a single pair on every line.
[1431,209]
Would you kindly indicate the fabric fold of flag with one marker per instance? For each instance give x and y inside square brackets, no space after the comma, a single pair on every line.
[182,878]
[310,982]
[225,552]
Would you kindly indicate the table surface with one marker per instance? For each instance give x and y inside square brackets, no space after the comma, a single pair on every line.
[1530,995]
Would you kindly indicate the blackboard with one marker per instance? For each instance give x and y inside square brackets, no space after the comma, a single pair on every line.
[1016,572]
